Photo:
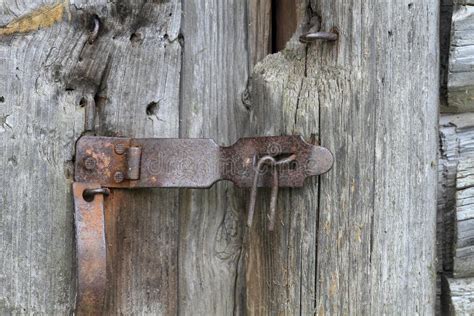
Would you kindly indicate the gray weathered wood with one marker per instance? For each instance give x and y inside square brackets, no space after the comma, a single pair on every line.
[455,233]
[358,241]
[137,59]
[134,62]
[375,214]
[455,195]
[39,123]
[213,77]
[463,264]
[459,296]
[461,60]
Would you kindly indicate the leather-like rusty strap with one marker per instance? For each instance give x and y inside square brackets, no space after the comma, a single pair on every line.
[90,251]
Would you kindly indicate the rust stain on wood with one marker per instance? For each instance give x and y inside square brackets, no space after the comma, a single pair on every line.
[42,17]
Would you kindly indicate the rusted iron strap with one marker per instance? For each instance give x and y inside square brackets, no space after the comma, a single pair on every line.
[90,250]
[195,163]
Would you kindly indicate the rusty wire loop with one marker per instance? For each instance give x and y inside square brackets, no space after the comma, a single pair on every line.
[314,36]
[274,194]
[89,194]
[95,31]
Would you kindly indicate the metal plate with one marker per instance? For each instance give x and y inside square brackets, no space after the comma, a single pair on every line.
[197,163]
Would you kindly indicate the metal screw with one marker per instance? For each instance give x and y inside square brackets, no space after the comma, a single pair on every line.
[120,148]
[90,163]
[118,177]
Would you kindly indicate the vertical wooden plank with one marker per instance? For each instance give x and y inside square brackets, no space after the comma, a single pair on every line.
[259,23]
[39,122]
[460,77]
[375,216]
[213,82]
[281,265]
[405,197]
[132,70]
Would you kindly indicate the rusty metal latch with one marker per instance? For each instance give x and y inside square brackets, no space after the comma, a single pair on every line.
[114,162]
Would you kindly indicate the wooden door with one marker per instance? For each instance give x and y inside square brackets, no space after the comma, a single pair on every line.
[358,240]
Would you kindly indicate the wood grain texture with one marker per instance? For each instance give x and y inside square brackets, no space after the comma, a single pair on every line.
[39,123]
[134,62]
[459,296]
[454,220]
[455,193]
[375,219]
[463,265]
[461,63]
[259,19]
[357,241]
[216,62]
[133,70]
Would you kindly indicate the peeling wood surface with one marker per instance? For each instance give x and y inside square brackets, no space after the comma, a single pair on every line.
[43,17]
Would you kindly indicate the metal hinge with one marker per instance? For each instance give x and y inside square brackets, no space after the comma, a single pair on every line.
[113,162]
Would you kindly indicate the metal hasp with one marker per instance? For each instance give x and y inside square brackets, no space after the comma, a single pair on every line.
[114,162]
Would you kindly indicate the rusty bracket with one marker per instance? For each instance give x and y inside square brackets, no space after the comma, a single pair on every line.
[114,162]
[194,163]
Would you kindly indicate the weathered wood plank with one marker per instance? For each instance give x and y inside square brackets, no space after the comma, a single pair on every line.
[133,71]
[458,298]
[461,61]
[39,123]
[463,265]
[455,195]
[216,63]
[375,218]
[280,265]
[346,240]
[259,15]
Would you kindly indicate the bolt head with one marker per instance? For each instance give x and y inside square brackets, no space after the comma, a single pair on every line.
[120,148]
[90,163]
[118,177]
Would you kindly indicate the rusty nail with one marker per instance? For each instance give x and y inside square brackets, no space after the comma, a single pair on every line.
[95,31]
[120,149]
[314,36]
[118,177]
[89,163]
